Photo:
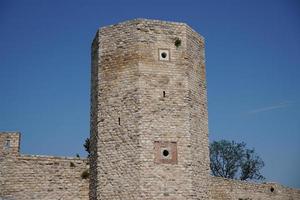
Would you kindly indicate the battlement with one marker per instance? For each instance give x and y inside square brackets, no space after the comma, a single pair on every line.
[9,143]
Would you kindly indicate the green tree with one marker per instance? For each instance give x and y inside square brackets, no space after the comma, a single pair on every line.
[86,146]
[233,160]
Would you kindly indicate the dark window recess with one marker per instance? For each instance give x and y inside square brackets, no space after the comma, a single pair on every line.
[7,144]
[163,54]
[119,119]
[272,189]
[164,94]
[165,153]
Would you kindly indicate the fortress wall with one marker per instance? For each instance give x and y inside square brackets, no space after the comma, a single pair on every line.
[228,189]
[25,177]
[165,110]
[114,109]
[142,104]
[198,116]
[34,177]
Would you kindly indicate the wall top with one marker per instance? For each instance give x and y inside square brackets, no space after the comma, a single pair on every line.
[148,22]
[10,132]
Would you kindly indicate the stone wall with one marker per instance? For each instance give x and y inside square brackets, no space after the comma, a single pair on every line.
[9,143]
[149,127]
[144,103]
[26,177]
[198,115]
[114,109]
[228,189]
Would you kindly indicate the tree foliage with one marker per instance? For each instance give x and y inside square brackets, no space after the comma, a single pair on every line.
[233,160]
[86,146]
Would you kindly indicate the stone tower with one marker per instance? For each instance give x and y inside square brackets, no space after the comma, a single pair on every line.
[149,127]
[9,144]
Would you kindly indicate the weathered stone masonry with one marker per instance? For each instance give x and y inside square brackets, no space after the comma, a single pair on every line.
[149,124]
[228,189]
[143,98]
[149,127]
[26,177]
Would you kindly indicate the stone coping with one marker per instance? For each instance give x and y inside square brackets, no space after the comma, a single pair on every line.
[215,178]
[28,156]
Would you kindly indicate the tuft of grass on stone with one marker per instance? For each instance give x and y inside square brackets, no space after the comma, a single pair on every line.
[72,164]
[177,42]
[85,174]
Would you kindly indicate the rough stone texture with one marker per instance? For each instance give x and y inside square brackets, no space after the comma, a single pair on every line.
[228,189]
[25,177]
[140,102]
[141,105]
[14,141]
[115,152]
[129,82]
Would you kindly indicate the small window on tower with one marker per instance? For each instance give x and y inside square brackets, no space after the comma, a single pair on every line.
[165,152]
[7,144]
[164,54]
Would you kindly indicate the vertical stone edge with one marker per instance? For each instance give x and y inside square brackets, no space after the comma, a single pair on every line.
[198,113]
[94,118]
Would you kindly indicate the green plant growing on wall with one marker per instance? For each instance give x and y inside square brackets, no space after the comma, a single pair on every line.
[72,164]
[86,146]
[177,42]
[85,174]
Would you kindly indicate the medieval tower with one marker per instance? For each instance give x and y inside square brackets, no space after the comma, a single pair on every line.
[149,126]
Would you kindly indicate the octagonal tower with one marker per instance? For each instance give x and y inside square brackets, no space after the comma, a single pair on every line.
[149,125]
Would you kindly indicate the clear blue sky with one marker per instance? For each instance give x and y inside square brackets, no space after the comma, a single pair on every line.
[253,71]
